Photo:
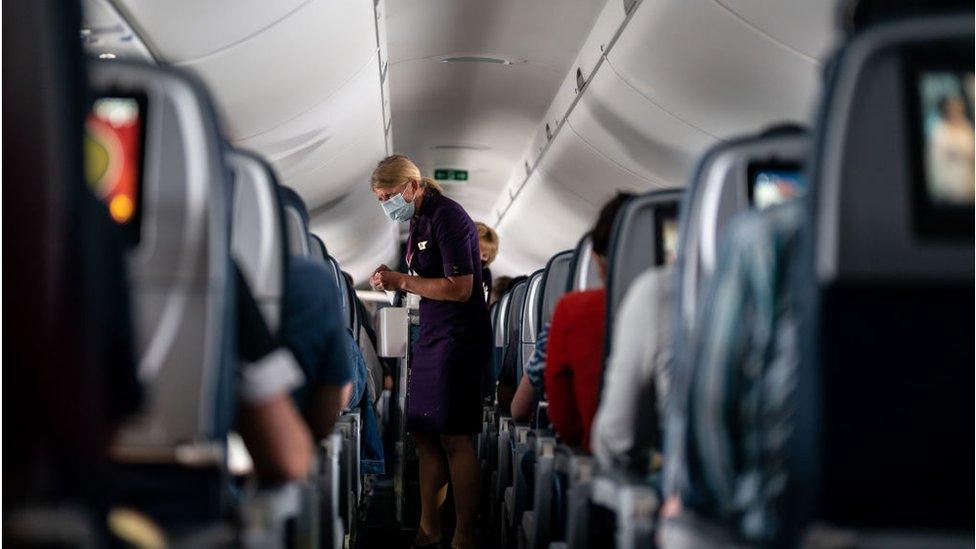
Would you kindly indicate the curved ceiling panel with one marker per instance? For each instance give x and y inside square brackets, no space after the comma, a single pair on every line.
[283,72]
[705,65]
[343,174]
[305,149]
[635,133]
[804,25]
[187,29]
[357,233]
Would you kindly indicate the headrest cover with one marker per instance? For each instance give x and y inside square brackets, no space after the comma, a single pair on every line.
[258,235]
[557,278]
[586,273]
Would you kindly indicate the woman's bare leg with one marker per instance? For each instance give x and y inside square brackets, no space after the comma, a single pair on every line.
[433,485]
[465,475]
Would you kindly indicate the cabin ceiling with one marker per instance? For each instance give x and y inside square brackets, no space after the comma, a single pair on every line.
[478,116]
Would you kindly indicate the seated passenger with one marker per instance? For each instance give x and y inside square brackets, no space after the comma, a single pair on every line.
[498,289]
[276,437]
[574,362]
[488,244]
[638,375]
[312,327]
[531,388]
[372,460]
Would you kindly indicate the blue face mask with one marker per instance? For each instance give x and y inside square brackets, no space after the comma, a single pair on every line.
[398,209]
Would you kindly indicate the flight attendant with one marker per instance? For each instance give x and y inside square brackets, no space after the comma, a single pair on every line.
[454,344]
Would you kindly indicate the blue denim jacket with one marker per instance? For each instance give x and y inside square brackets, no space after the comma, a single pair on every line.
[372,460]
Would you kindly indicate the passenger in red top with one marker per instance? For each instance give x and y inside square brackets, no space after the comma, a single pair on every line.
[574,361]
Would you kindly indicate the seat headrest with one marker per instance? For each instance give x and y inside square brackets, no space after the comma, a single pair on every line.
[344,298]
[645,234]
[585,273]
[515,305]
[501,319]
[557,278]
[894,193]
[855,16]
[259,239]
[318,243]
[180,268]
[724,184]
[296,219]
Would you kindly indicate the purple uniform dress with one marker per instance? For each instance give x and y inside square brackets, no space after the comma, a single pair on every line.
[454,345]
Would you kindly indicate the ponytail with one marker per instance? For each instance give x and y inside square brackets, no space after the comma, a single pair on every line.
[429,183]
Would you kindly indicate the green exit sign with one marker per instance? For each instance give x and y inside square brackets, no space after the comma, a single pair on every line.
[444,174]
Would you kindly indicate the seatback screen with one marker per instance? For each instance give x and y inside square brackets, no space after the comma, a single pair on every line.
[947,137]
[666,221]
[774,183]
[114,142]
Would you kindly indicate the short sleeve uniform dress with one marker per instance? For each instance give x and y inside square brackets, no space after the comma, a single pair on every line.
[454,344]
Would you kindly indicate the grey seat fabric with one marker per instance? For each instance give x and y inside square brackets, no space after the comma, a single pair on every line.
[296,222]
[586,274]
[888,284]
[259,239]
[530,320]
[317,248]
[554,283]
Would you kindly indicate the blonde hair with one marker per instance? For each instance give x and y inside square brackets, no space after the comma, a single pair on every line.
[488,240]
[397,169]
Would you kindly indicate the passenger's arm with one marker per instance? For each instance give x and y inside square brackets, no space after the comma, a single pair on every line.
[326,403]
[612,435]
[563,410]
[523,403]
[277,439]
[450,288]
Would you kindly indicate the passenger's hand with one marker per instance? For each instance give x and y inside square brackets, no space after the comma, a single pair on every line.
[388,280]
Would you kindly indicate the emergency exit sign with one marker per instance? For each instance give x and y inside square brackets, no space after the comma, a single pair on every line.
[444,174]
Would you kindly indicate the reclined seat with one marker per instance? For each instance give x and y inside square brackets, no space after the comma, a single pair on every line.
[173,456]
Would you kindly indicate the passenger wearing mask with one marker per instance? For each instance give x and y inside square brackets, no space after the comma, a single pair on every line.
[454,345]
[574,361]
[488,244]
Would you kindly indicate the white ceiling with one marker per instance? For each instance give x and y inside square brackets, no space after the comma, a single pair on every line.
[492,107]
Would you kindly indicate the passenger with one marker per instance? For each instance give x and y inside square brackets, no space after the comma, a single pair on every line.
[638,374]
[312,327]
[574,361]
[454,345]
[950,154]
[276,437]
[498,289]
[372,460]
[531,388]
[488,244]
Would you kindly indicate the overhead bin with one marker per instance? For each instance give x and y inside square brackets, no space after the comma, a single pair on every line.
[728,78]
[606,26]
[635,133]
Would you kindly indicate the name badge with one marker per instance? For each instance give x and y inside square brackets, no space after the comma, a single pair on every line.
[422,245]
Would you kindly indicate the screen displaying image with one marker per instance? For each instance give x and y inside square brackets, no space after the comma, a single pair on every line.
[774,186]
[669,239]
[113,157]
[947,127]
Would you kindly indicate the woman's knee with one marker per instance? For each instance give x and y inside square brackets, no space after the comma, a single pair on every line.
[456,444]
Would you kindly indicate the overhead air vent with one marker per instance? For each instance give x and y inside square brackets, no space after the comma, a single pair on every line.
[548,132]
[460,147]
[480,59]
[580,81]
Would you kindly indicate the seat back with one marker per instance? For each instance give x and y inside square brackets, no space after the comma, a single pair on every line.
[529,330]
[724,184]
[259,238]
[180,268]
[513,338]
[296,221]
[645,234]
[888,278]
[586,274]
[554,283]
[317,248]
